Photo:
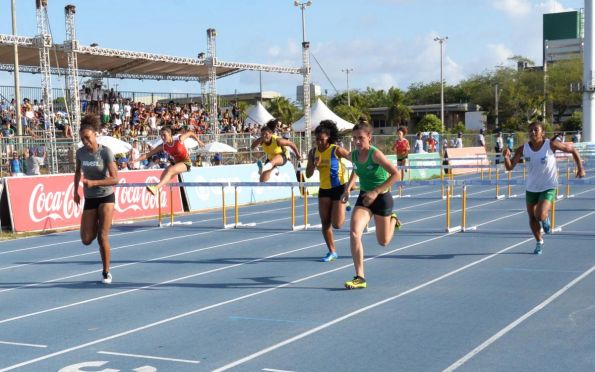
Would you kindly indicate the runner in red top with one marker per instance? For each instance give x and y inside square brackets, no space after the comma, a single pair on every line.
[402,148]
[176,149]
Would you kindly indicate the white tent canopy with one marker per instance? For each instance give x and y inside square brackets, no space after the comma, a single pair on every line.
[320,112]
[258,115]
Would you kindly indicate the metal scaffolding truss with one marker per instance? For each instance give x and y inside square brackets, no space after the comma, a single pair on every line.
[72,75]
[38,54]
[43,41]
[212,81]
[259,67]
[19,40]
[306,90]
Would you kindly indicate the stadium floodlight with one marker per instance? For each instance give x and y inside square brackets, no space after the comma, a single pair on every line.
[302,7]
[441,40]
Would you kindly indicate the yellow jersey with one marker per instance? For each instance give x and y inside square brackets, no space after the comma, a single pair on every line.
[273,149]
[331,170]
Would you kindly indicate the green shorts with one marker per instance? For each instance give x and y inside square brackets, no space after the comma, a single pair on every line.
[536,197]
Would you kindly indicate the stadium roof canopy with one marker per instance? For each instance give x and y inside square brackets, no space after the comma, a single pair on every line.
[104,62]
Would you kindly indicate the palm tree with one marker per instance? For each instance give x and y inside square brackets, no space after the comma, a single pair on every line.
[282,109]
[398,113]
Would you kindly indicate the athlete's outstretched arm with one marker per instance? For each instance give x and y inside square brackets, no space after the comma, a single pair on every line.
[569,148]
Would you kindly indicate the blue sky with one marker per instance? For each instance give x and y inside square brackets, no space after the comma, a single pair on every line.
[386,42]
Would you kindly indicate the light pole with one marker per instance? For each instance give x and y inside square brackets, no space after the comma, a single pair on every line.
[306,74]
[347,71]
[441,40]
[303,6]
[17,83]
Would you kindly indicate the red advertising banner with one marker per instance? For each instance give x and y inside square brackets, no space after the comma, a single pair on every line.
[46,202]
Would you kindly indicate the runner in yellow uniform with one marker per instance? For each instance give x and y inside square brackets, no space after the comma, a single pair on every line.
[274,148]
[326,157]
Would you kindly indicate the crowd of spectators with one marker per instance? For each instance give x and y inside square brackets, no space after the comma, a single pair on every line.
[121,118]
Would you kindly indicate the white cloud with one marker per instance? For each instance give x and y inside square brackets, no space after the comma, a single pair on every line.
[499,53]
[523,8]
[551,6]
[514,8]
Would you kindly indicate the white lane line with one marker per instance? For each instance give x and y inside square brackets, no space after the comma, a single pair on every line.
[6,320]
[145,230]
[22,344]
[2,321]
[512,325]
[115,249]
[361,310]
[275,370]
[206,308]
[69,241]
[149,357]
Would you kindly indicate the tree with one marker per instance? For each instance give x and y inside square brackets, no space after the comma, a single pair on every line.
[559,77]
[284,110]
[349,113]
[398,113]
[429,123]
[575,123]
[423,94]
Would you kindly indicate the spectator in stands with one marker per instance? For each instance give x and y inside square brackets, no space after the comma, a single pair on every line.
[154,162]
[105,112]
[32,163]
[15,165]
[216,159]
[123,163]
[96,95]
[134,154]
[7,135]
[84,99]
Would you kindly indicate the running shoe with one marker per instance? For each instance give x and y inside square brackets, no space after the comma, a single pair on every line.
[356,283]
[547,226]
[259,165]
[538,247]
[397,221]
[348,207]
[330,256]
[106,278]
[153,190]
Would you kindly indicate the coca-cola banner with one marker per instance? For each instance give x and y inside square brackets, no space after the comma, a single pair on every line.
[46,202]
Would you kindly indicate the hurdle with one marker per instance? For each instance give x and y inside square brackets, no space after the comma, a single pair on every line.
[171,209]
[450,229]
[236,210]
[306,225]
[554,228]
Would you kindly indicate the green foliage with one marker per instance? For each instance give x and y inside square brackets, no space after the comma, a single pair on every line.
[91,82]
[284,110]
[459,127]
[423,94]
[521,95]
[429,123]
[559,77]
[574,123]
[349,113]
